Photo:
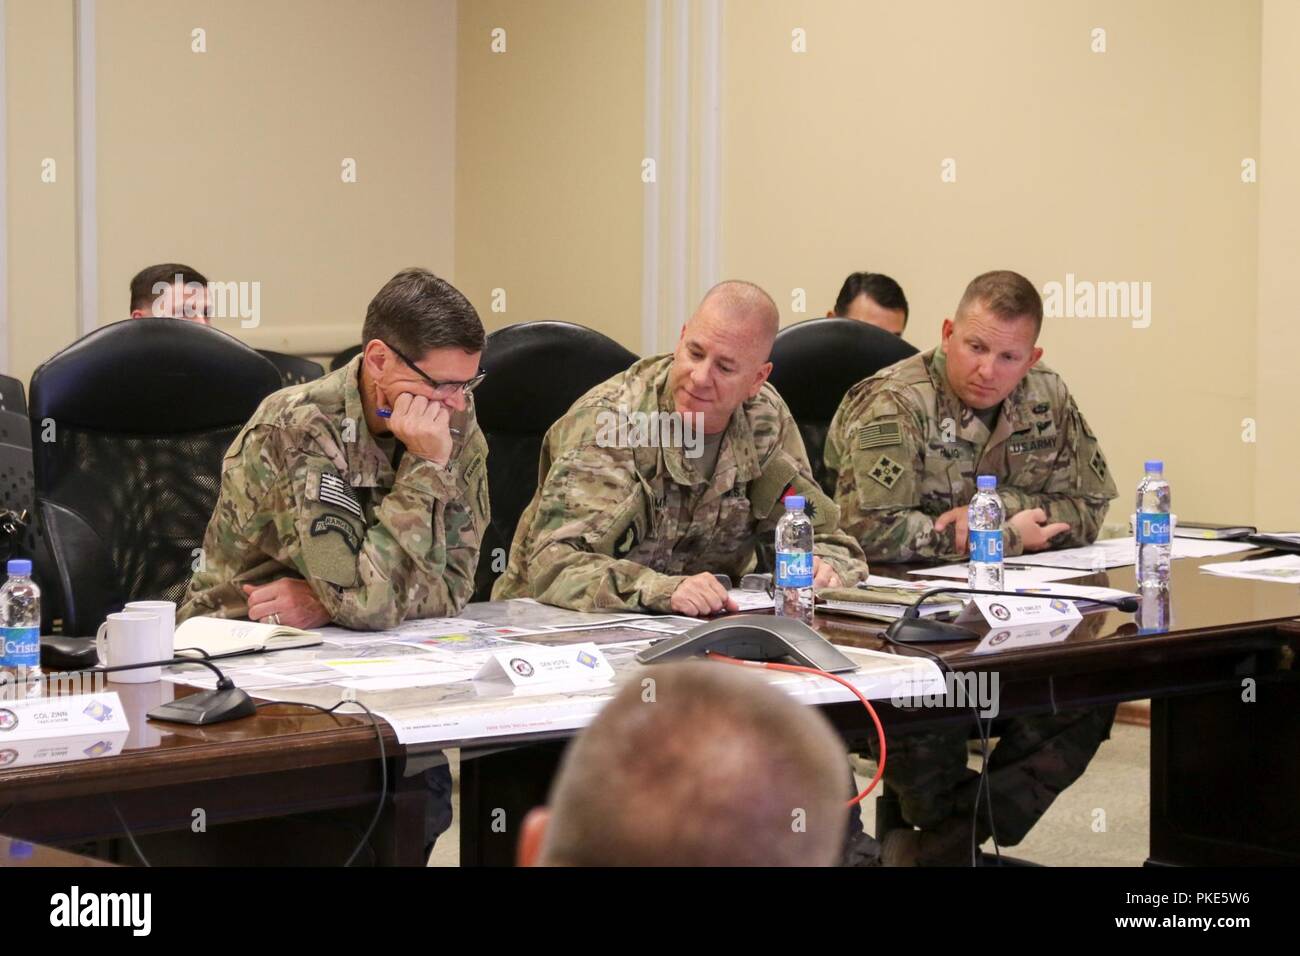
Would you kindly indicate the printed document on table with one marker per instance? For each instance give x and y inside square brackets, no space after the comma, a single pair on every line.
[1121,552]
[1013,576]
[1283,570]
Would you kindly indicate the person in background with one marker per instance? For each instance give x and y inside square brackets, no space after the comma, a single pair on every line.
[171,290]
[872,298]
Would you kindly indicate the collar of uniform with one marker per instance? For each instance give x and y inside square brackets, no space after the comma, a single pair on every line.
[737,442]
[969,426]
[368,466]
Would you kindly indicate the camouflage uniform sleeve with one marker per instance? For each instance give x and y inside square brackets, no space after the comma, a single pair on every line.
[876,446]
[417,557]
[593,507]
[1079,492]
[788,468]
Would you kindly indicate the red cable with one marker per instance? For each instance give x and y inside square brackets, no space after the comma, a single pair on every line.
[796,669]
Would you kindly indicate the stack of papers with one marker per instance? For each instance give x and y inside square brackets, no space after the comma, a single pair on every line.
[1121,552]
[1284,569]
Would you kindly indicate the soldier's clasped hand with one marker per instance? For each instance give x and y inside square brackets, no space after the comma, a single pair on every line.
[701,595]
[287,601]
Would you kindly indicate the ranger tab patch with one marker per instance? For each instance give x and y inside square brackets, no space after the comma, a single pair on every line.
[879,435]
[327,523]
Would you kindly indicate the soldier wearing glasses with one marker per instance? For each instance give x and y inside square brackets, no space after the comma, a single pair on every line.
[359,499]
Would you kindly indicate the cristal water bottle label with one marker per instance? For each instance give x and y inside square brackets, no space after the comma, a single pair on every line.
[986,546]
[1153,528]
[794,569]
[22,647]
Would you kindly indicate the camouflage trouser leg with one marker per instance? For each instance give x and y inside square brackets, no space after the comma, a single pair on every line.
[926,771]
[1035,759]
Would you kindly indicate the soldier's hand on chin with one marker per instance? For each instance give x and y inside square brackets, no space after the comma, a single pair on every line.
[1035,533]
[701,595]
[288,601]
[423,426]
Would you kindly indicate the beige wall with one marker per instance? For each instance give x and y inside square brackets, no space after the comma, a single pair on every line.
[520,171]
[549,146]
[42,275]
[1276,404]
[1113,166]
[231,159]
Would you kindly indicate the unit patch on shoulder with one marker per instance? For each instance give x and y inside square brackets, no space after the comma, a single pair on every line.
[879,435]
[886,471]
[1098,463]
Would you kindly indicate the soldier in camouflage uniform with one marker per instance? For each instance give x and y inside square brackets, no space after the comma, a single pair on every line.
[361,498]
[620,521]
[904,449]
[331,512]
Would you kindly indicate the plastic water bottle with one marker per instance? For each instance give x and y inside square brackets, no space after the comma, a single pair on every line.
[20,627]
[1154,542]
[794,562]
[984,520]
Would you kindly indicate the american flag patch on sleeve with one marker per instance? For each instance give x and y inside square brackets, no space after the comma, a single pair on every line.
[879,435]
[337,492]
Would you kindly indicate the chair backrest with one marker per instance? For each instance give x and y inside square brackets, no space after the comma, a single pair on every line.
[12,398]
[536,370]
[15,429]
[293,369]
[142,411]
[344,357]
[18,494]
[814,363]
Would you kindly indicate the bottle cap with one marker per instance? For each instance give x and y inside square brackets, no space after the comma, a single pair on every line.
[794,503]
[19,566]
[1155,467]
[986,482]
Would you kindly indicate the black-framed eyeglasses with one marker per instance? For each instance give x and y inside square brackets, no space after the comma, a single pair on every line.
[442,389]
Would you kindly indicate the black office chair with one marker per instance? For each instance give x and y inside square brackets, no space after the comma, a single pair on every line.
[814,363]
[344,357]
[143,411]
[16,429]
[536,370]
[293,369]
[25,538]
[12,398]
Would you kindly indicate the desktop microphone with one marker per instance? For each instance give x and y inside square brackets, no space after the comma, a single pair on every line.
[225,702]
[911,629]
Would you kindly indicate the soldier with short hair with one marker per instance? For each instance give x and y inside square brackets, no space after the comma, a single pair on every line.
[624,520]
[904,449]
[359,498]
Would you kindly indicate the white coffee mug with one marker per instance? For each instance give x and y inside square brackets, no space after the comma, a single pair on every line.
[166,612]
[129,637]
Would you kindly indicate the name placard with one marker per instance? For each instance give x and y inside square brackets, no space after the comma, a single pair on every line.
[1013,611]
[557,668]
[80,714]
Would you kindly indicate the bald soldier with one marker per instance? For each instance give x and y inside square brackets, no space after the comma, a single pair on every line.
[359,498]
[904,448]
[671,471]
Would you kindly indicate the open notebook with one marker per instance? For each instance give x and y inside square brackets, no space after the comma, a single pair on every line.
[219,637]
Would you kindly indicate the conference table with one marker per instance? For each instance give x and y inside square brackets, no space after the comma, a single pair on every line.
[293,785]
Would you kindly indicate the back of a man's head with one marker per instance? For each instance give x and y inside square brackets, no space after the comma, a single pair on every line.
[152,292]
[416,312]
[700,764]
